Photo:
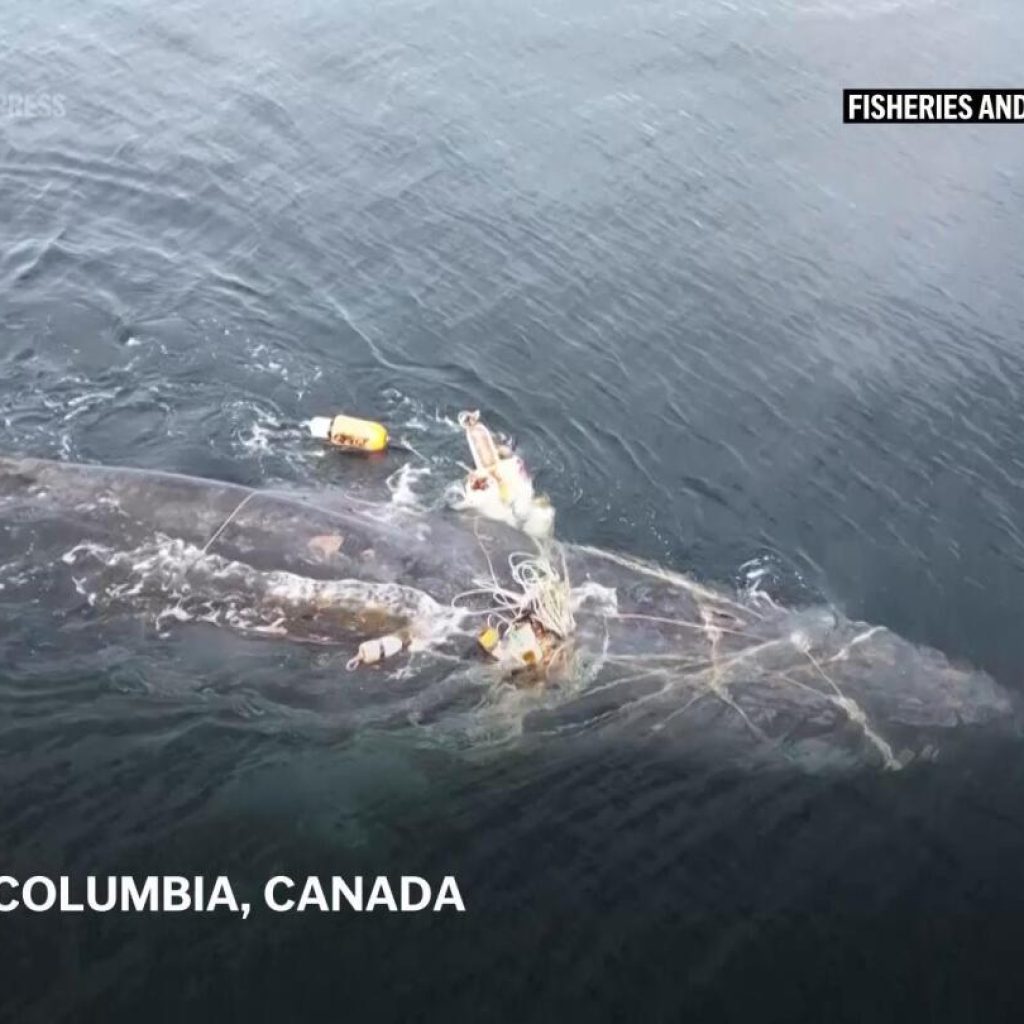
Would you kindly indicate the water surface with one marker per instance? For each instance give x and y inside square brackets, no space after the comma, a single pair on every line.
[722,328]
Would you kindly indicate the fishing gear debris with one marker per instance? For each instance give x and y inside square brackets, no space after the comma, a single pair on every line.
[499,486]
[350,432]
[528,620]
[372,651]
[531,616]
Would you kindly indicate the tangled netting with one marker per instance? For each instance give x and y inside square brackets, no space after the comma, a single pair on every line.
[721,621]
[538,590]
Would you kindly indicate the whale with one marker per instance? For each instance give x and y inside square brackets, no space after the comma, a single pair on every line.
[656,656]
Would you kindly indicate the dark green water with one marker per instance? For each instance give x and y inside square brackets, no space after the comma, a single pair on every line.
[720,326]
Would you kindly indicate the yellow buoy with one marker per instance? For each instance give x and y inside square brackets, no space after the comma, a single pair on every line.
[488,639]
[350,432]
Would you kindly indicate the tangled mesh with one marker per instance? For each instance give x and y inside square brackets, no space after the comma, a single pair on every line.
[538,590]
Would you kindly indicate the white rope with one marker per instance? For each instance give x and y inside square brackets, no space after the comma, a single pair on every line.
[220,529]
[223,526]
[539,591]
[857,715]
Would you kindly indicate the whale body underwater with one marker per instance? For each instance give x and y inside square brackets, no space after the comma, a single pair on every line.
[655,656]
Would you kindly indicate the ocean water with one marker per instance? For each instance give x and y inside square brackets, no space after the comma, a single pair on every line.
[727,333]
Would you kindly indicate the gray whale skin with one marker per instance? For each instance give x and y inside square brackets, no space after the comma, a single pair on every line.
[656,657]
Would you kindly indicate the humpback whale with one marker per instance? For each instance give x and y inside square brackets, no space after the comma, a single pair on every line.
[655,655]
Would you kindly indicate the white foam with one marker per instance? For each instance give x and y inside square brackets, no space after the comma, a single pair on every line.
[258,437]
[402,485]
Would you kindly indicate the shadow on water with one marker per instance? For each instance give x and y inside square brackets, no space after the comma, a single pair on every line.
[596,880]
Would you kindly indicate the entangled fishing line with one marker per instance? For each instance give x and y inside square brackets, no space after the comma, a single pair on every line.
[540,591]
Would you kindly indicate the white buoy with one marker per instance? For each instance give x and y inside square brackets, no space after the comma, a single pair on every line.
[372,651]
[320,427]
